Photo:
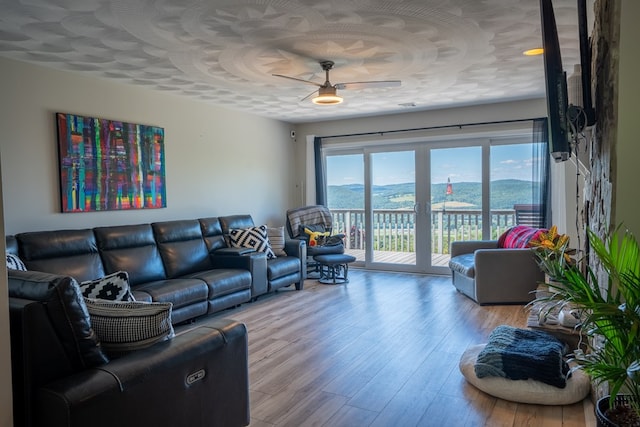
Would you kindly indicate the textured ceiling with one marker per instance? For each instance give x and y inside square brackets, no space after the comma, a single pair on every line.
[445,52]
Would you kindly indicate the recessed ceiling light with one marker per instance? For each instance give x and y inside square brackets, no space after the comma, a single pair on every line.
[534,51]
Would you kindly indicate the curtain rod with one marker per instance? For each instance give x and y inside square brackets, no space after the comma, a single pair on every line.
[432,128]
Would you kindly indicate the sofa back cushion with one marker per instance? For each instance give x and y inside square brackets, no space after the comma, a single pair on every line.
[131,248]
[64,252]
[518,237]
[212,233]
[181,247]
[235,221]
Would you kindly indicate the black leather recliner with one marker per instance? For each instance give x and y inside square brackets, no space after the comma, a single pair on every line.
[62,378]
[281,271]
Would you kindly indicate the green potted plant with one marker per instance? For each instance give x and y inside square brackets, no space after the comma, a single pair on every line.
[552,252]
[610,315]
[553,255]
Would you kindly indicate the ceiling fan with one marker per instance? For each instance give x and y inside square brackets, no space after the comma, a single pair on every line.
[328,93]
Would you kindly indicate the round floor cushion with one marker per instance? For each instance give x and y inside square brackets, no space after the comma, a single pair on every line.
[524,391]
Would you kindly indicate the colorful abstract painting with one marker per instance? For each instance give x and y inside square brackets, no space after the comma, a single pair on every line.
[110,165]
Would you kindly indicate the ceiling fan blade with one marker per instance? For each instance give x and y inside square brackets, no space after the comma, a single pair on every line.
[366,85]
[309,96]
[298,80]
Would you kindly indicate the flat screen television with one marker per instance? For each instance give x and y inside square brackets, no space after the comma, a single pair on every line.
[585,64]
[556,86]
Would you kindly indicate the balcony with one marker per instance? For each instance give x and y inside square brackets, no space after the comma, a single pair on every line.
[394,232]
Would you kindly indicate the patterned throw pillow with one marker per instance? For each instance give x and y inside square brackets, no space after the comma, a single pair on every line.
[276,240]
[253,238]
[114,287]
[125,326]
[15,263]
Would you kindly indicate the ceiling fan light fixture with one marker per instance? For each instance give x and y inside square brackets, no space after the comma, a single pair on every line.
[327,95]
[327,99]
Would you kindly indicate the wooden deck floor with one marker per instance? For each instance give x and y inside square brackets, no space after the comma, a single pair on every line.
[382,350]
[391,257]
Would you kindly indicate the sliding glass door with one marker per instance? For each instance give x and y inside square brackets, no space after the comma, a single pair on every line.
[345,180]
[373,195]
[456,202]
[393,202]
[400,206]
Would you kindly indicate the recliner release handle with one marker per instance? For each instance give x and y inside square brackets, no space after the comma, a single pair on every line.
[196,376]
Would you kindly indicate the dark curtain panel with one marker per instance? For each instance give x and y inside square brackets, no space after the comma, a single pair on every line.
[321,196]
[541,173]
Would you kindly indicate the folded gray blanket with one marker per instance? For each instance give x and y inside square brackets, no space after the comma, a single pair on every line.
[520,354]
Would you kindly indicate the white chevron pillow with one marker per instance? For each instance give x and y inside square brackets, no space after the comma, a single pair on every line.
[15,263]
[114,287]
[252,238]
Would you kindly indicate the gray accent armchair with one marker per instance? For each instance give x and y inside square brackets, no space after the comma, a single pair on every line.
[316,218]
[491,275]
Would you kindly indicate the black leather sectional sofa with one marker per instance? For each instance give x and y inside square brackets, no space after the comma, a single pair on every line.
[198,378]
[185,262]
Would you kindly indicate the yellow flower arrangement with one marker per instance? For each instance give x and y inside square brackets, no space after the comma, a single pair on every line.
[552,251]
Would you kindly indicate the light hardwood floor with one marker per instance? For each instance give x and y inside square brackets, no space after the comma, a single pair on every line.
[382,350]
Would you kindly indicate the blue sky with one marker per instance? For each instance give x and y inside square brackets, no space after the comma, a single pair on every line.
[458,164]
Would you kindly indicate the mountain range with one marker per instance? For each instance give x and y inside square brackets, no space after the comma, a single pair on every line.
[504,194]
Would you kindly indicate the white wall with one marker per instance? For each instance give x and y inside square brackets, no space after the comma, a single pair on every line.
[218,161]
[461,115]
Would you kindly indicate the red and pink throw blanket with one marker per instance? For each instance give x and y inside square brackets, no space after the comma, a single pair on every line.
[518,236]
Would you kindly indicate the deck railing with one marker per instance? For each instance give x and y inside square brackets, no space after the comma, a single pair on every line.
[394,230]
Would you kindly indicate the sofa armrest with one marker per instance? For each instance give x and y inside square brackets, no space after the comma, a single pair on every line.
[470,246]
[198,378]
[255,262]
[233,251]
[296,248]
